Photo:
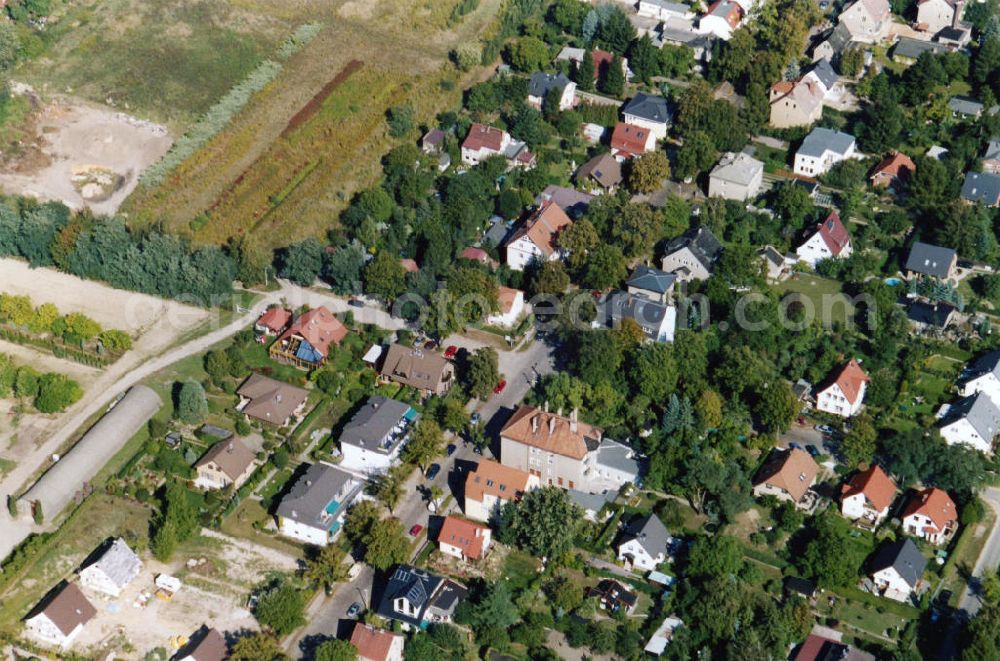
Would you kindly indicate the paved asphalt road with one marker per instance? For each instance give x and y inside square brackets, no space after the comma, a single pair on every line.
[989,558]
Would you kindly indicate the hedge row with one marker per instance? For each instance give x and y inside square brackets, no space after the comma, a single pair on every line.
[57,348]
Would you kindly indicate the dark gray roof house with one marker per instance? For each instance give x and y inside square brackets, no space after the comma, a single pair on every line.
[982,187]
[838,39]
[823,70]
[963,105]
[417,598]
[319,497]
[988,363]
[908,48]
[902,555]
[650,533]
[649,107]
[373,425]
[647,279]
[927,259]
[570,200]
[930,315]
[821,140]
[702,244]
[541,84]
[657,320]
[979,411]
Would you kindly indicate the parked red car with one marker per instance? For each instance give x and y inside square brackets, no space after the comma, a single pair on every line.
[415,530]
[450,351]
[500,387]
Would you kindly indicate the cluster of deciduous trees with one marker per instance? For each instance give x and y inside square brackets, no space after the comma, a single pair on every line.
[74,328]
[48,392]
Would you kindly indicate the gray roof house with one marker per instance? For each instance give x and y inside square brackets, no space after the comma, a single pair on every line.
[645,543]
[927,259]
[692,256]
[904,557]
[821,140]
[616,464]
[982,187]
[991,159]
[736,177]
[591,503]
[418,598]
[313,510]
[973,421]
[823,72]
[372,438]
[963,105]
[650,111]
[570,200]
[836,42]
[987,364]
[657,320]
[541,84]
[908,49]
[112,570]
[924,315]
[651,283]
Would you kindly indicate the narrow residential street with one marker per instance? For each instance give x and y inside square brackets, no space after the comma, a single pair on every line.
[989,558]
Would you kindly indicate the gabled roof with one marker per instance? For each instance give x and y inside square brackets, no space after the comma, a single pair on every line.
[806,93]
[651,315]
[495,479]
[420,368]
[481,136]
[834,234]
[896,165]
[270,400]
[738,168]
[375,422]
[614,594]
[212,647]
[507,296]
[702,244]
[319,327]
[935,504]
[979,411]
[466,535]
[911,48]
[618,456]
[423,590]
[877,10]
[937,314]
[317,496]
[992,149]
[727,10]
[68,609]
[839,38]
[232,457]
[603,169]
[821,648]
[988,363]
[475,254]
[902,555]
[275,319]
[119,563]
[651,535]
[877,487]
[409,265]
[821,140]
[372,643]
[650,107]
[981,187]
[541,84]
[791,470]
[542,227]
[570,200]
[930,260]
[824,73]
[963,105]
[629,138]
[849,380]
[551,432]
[650,279]
[602,59]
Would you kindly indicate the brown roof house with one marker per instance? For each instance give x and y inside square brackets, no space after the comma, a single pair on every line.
[536,239]
[59,619]
[602,171]
[427,371]
[276,403]
[930,514]
[491,486]
[787,475]
[867,496]
[844,392]
[227,462]
[307,341]
[893,171]
[377,644]
[211,647]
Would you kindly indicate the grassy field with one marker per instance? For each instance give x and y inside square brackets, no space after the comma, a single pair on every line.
[830,304]
[281,180]
[167,61]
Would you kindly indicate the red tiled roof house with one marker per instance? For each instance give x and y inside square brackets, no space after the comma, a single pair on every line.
[274,321]
[307,341]
[463,539]
[845,392]
[867,496]
[829,240]
[377,644]
[535,239]
[629,140]
[893,171]
[930,514]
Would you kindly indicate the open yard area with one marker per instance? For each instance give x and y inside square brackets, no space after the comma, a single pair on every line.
[288,163]
[829,304]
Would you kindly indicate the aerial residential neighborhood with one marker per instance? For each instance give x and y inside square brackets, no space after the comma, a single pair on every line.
[507,330]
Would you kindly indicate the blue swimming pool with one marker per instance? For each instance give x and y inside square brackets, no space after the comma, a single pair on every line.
[893,282]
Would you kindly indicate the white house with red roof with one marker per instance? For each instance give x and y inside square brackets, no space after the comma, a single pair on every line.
[377,644]
[535,239]
[867,496]
[463,539]
[845,392]
[274,321]
[930,514]
[484,141]
[829,240]
[511,308]
[630,140]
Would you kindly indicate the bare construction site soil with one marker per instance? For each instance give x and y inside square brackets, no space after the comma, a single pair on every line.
[84,156]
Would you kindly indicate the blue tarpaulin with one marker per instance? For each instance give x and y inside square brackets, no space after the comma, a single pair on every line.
[308,353]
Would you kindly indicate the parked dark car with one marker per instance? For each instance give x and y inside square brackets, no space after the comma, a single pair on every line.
[451,449]
[433,471]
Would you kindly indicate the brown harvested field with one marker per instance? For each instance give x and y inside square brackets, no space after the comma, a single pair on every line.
[282,185]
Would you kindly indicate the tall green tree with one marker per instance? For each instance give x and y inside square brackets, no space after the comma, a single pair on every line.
[192,405]
[301,262]
[543,523]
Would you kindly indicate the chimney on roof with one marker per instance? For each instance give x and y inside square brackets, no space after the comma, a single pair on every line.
[956,19]
[534,424]
[572,420]
[552,426]
[545,406]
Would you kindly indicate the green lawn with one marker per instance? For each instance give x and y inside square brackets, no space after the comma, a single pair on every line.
[869,619]
[830,304]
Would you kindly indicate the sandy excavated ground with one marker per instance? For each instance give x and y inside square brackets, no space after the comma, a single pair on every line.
[77,139]
[213,594]
[154,324]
